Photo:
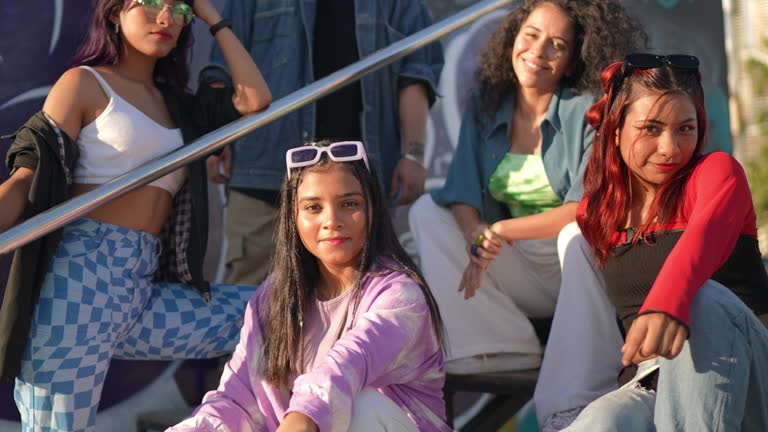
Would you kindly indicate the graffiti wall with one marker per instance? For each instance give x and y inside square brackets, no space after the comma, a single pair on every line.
[37,38]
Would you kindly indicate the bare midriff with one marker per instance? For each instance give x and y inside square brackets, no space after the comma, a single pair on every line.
[144,209]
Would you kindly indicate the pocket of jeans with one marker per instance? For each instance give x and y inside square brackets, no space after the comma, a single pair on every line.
[77,242]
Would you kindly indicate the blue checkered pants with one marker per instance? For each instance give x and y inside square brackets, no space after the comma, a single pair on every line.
[97,302]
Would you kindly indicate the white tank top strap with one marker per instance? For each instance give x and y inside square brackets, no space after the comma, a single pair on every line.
[102,82]
[121,139]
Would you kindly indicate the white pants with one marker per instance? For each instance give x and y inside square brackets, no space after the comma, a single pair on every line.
[522,282]
[374,412]
[583,355]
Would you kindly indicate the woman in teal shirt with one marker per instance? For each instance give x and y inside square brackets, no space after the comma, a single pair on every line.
[516,178]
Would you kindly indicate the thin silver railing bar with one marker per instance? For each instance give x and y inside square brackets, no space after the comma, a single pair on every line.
[62,214]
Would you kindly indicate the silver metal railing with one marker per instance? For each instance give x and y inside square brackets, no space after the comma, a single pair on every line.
[50,220]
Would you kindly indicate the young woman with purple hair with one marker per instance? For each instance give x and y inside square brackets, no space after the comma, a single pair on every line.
[120,281]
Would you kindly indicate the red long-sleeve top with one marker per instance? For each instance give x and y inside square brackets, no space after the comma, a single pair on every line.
[718,209]
[717,212]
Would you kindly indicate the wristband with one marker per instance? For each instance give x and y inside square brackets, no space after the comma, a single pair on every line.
[220,25]
[414,158]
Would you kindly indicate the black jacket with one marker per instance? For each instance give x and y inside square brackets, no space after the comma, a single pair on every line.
[40,146]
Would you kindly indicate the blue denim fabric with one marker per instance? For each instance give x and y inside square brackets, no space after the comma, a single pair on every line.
[566,143]
[718,383]
[278,34]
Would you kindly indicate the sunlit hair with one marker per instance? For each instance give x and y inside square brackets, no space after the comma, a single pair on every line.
[607,178]
[295,271]
[603,34]
[102,46]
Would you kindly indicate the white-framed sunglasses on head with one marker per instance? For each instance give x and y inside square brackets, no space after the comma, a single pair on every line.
[343,151]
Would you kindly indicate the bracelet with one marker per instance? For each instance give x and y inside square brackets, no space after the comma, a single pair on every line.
[416,159]
[415,153]
[220,25]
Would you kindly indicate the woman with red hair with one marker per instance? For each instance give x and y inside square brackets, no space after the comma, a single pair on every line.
[673,233]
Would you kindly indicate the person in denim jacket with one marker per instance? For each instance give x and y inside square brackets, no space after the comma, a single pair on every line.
[516,179]
[299,42]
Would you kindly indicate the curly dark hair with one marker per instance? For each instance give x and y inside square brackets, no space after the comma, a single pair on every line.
[604,34]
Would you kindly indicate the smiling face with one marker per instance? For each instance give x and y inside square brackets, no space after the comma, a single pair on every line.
[149,32]
[658,136]
[331,216]
[543,48]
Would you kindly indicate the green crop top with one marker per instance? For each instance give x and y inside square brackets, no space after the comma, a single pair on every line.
[521,183]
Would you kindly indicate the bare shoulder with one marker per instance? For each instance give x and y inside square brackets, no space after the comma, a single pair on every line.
[75,92]
[74,85]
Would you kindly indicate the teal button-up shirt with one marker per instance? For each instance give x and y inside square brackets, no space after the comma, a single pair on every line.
[566,142]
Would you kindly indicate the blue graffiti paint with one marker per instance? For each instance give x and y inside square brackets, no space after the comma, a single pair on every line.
[718,117]
[668,3]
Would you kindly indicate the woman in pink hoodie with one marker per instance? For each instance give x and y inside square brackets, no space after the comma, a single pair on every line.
[344,334]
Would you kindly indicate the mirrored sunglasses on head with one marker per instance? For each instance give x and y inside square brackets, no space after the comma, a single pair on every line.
[181,12]
[343,151]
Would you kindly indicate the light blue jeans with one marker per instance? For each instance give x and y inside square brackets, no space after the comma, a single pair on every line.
[98,301]
[719,382]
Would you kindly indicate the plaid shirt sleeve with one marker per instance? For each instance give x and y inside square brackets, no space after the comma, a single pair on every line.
[174,240]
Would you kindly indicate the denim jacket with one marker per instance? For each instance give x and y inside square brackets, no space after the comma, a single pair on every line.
[278,34]
[566,142]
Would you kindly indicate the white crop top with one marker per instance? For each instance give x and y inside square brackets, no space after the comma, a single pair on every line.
[123,138]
